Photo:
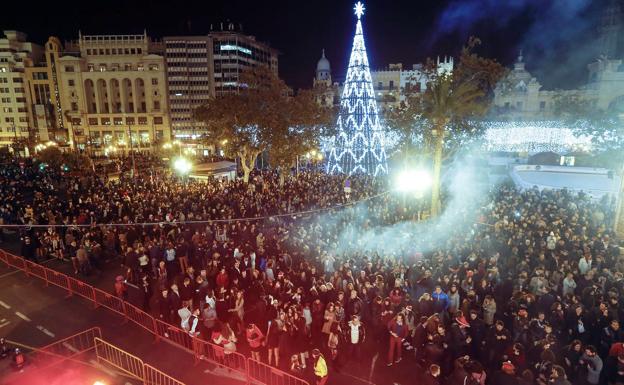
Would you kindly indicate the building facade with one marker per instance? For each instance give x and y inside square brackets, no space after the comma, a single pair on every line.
[204,67]
[391,84]
[114,92]
[17,56]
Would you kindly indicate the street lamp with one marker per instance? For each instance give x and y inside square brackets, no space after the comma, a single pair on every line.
[413,180]
[182,165]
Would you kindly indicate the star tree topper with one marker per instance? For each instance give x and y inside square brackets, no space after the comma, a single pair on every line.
[359,9]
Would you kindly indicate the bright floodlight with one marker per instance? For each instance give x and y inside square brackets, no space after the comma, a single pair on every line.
[182,165]
[413,181]
[99,383]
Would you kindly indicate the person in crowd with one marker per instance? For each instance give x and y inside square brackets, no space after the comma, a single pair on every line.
[398,332]
[255,339]
[320,367]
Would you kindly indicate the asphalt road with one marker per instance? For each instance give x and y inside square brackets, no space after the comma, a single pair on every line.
[36,315]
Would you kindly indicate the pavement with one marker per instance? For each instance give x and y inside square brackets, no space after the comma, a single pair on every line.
[36,315]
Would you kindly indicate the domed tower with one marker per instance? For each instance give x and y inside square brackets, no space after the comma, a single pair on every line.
[323,72]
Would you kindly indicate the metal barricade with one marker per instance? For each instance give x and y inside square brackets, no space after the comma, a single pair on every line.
[36,270]
[15,261]
[154,376]
[266,374]
[109,301]
[174,334]
[75,344]
[140,318]
[82,289]
[58,279]
[120,359]
[205,350]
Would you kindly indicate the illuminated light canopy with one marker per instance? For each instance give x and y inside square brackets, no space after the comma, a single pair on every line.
[535,136]
[232,47]
[359,145]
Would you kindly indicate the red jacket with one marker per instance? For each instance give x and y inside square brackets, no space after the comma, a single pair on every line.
[394,328]
[223,280]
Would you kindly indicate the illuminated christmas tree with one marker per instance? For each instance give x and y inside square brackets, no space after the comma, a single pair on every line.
[358,147]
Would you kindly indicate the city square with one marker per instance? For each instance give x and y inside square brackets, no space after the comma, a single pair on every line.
[227,196]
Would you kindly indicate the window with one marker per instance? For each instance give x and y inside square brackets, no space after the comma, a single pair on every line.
[74,106]
[158,120]
[93,121]
[9,119]
[71,68]
[19,90]
[20,100]
[391,84]
[102,67]
[91,68]
[18,80]
[142,120]
[105,121]
[154,81]
[23,119]
[542,106]
[71,82]
[40,75]
[153,67]
[4,90]
[117,121]
[130,121]
[76,121]
[7,109]
[140,67]
[127,67]
[3,69]
[519,105]
[156,105]
[4,80]
[6,100]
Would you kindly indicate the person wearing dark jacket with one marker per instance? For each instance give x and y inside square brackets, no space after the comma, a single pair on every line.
[355,334]
[432,377]
[164,306]
[460,336]
[505,376]
[497,340]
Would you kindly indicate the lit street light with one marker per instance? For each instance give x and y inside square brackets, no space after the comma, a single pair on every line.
[182,165]
[415,181]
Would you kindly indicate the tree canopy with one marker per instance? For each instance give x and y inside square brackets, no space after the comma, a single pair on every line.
[264,115]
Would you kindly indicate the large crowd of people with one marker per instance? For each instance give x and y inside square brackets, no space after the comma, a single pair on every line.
[529,290]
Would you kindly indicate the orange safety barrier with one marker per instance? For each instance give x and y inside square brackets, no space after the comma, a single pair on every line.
[75,344]
[109,301]
[58,279]
[174,334]
[140,318]
[205,350]
[36,270]
[154,376]
[82,289]
[266,374]
[3,256]
[15,261]
[120,359]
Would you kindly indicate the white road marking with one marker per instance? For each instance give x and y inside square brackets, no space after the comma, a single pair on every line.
[22,316]
[4,305]
[46,331]
[370,375]
[5,324]
[70,347]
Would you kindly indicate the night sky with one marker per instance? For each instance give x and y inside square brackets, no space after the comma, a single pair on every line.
[557,36]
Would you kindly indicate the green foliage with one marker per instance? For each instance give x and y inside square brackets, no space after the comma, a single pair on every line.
[52,156]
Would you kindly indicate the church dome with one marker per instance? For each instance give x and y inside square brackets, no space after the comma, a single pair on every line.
[323,64]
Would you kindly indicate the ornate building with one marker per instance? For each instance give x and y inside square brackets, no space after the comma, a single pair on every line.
[114,92]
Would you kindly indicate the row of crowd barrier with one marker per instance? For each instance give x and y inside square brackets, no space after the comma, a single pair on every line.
[249,370]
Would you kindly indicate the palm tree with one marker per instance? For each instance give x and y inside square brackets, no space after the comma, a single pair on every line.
[451,105]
